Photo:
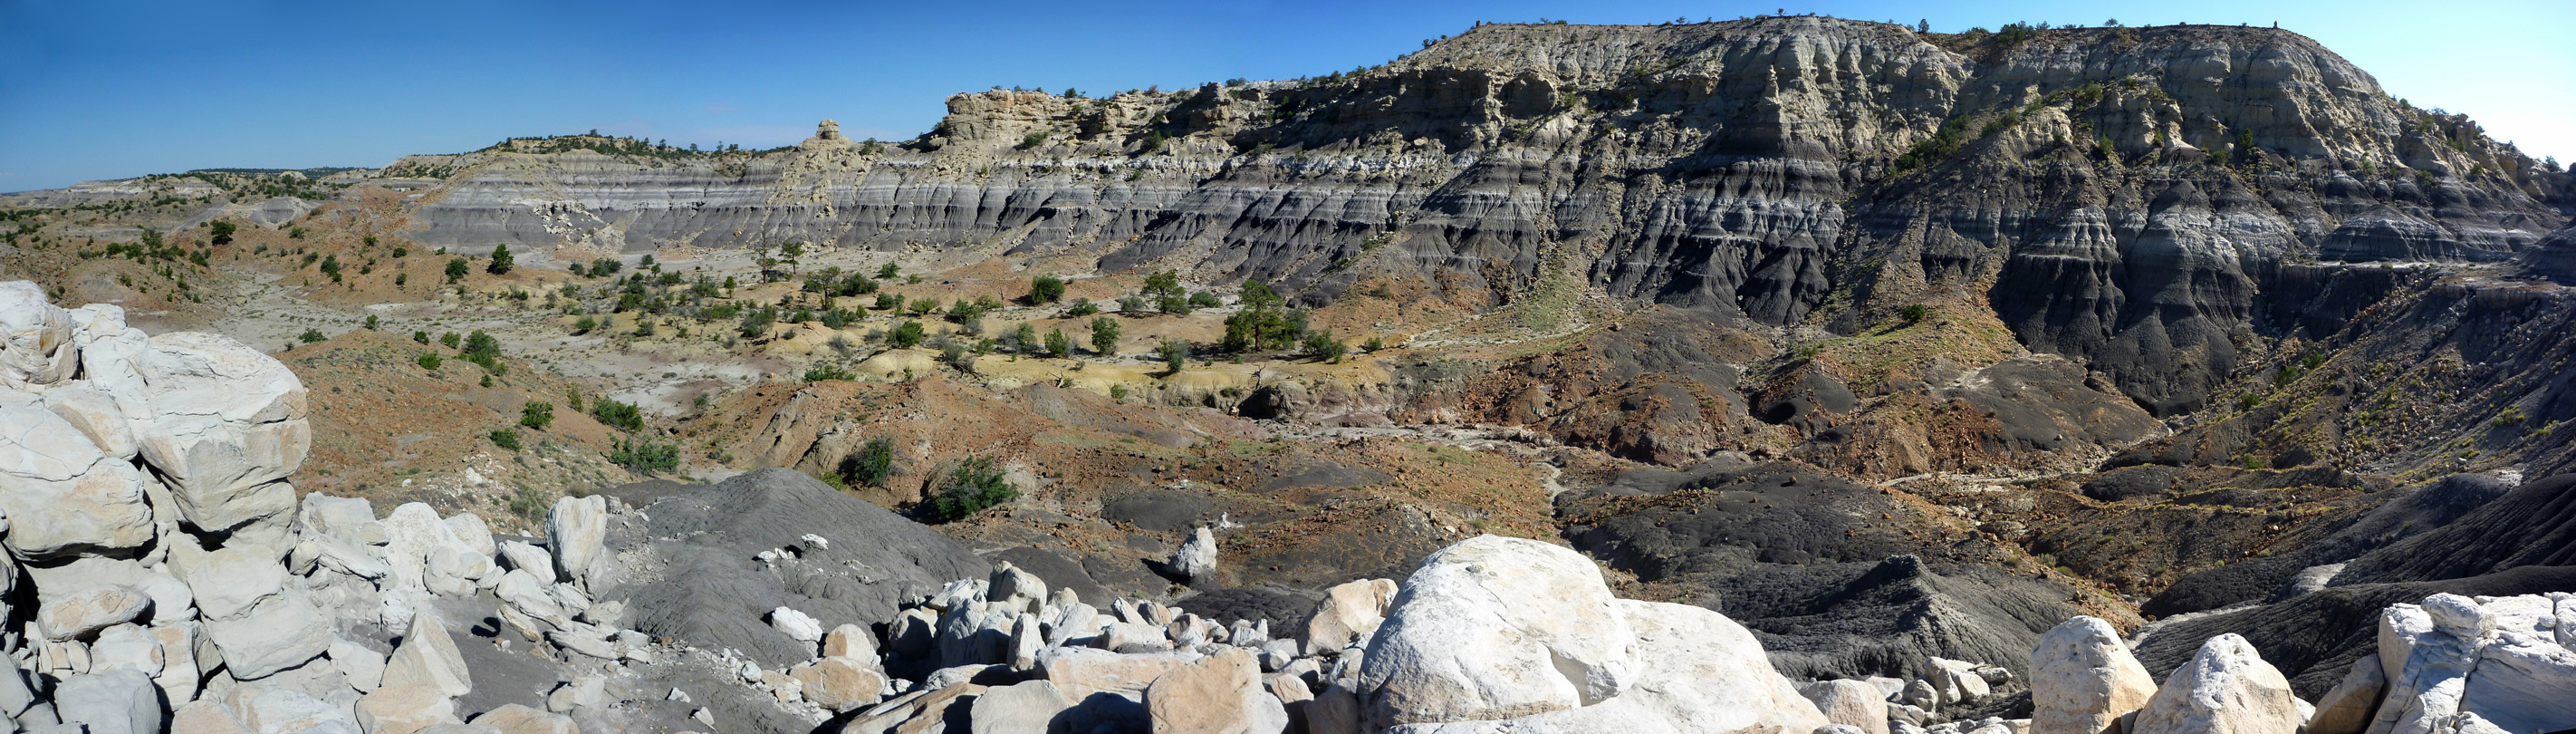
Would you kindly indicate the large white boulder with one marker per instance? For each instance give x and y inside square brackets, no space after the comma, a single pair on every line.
[1349,612]
[120,701]
[2226,688]
[576,532]
[1498,628]
[1850,703]
[1197,556]
[2507,661]
[2083,679]
[228,582]
[60,492]
[1697,672]
[428,657]
[280,632]
[1218,694]
[226,420]
[36,346]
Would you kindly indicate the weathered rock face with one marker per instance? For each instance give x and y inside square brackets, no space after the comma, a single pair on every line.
[1750,167]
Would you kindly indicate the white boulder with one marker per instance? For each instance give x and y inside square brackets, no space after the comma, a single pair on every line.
[576,531]
[62,494]
[428,657]
[226,420]
[36,346]
[1497,628]
[1349,612]
[2083,679]
[1197,556]
[2226,688]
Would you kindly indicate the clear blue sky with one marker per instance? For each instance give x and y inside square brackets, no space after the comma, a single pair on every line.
[94,89]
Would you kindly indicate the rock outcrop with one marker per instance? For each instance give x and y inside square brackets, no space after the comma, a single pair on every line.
[2137,200]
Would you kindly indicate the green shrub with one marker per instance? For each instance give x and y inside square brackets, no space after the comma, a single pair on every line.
[822,372]
[645,456]
[1175,355]
[456,270]
[975,485]
[870,465]
[1118,392]
[906,334]
[1059,345]
[482,349]
[537,414]
[1914,313]
[451,339]
[311,335]
[1945,141]
[371,322]
[584,325]
[1082,307]
[1321,344]
[420,336]
[1104,335]
[505,438]
[1046,289]
[429,360]
[617,414]
[501,260]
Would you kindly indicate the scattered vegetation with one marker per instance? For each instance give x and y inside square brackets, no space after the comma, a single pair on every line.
[976,484]
[618,415]
[870,465]
[644,456]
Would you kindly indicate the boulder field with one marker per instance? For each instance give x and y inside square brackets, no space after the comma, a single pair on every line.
[162,575]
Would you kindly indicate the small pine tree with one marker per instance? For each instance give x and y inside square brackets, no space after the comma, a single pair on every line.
[501,261]
[455,270]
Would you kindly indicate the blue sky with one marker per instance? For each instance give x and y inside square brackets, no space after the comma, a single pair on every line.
[95,89]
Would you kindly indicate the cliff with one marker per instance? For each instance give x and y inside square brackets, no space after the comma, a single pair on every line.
[2155,204]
